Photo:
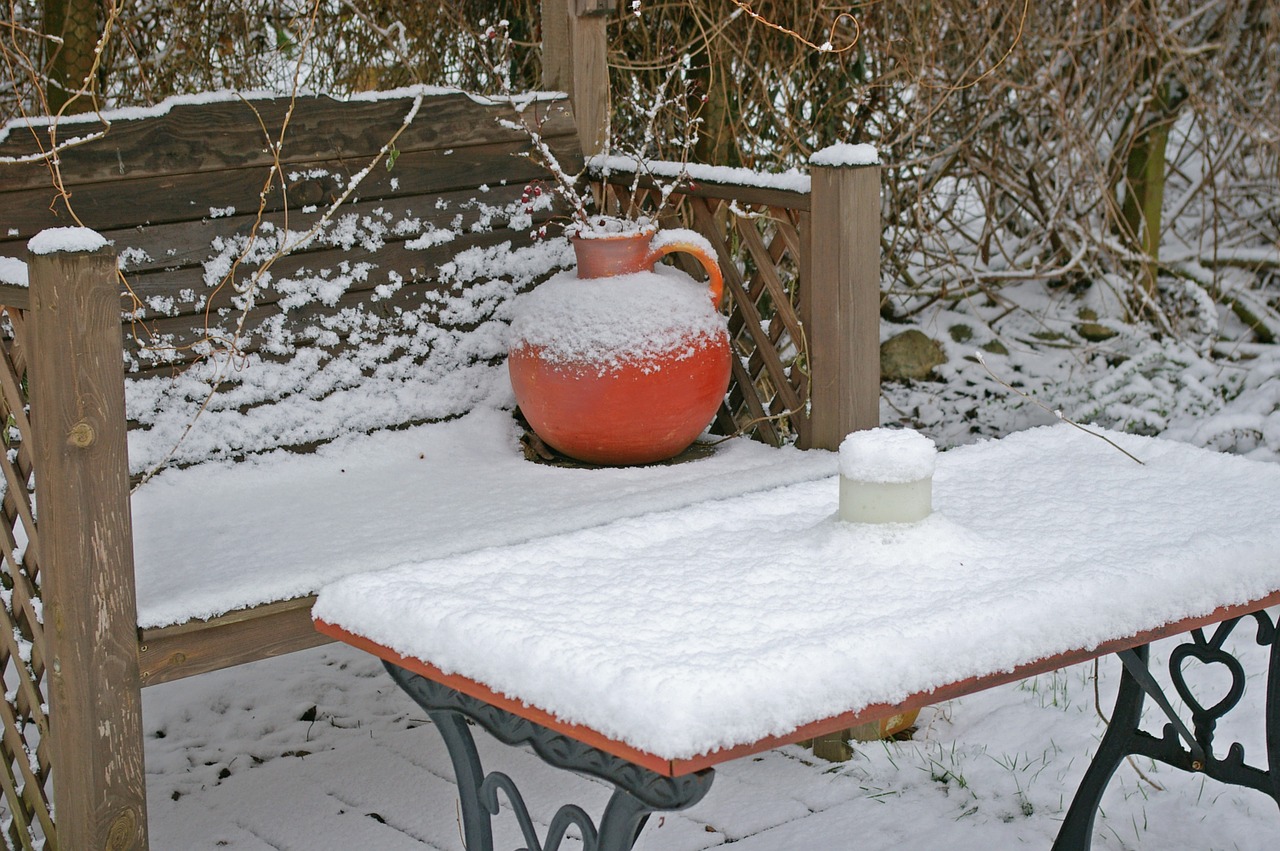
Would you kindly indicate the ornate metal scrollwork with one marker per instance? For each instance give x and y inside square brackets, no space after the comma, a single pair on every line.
[637,791]
[568,816]
[1181,747]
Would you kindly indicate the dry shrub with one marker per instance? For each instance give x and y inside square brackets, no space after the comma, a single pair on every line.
[1133,145]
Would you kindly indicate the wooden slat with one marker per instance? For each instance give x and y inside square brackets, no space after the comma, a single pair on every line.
[26,693]
[14,296]
[189,329]
[786,228]
[764,428]
[786,320]
[19,830]
[16,500]
[212,137]
[197,647]
[35,802]
[190,197]
[267,299]
[15,492]
[187,244]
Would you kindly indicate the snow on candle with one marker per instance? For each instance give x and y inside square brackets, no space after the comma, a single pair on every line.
[886,476]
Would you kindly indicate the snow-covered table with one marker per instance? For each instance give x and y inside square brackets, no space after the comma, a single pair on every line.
[671,642]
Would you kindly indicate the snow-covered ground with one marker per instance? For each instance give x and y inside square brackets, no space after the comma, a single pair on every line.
[1013,360]
[319,750]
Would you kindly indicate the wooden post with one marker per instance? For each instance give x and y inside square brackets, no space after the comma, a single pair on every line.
[575,60]
[840,306]
[76,381]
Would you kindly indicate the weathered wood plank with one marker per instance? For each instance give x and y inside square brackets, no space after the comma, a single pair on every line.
[386,251]
[185,197]
[194,325]
[77,400]
[165,247]
[14,296]
[197,647]
[590,47]
[234,134]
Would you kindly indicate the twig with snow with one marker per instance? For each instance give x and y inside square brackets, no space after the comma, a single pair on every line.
[497,59]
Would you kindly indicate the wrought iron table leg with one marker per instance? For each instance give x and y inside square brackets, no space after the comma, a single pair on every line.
[1117,743]
[477,830]
[638,792]
[1179,746]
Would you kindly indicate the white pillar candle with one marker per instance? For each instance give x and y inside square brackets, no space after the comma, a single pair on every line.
[886,476]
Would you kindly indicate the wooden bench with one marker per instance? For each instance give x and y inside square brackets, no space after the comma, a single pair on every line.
[328,268]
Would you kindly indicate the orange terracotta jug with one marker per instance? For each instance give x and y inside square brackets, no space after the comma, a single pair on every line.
[618,400]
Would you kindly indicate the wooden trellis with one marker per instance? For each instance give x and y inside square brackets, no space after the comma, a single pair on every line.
[759,236]
[759,249]
[25,743]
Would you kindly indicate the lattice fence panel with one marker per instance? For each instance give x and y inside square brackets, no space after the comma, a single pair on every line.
[759,248]
[24,759]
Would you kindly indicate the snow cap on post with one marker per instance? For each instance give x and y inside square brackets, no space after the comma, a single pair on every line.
[845,154]
[66,240]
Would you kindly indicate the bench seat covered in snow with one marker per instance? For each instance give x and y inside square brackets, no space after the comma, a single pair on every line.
[279,526]
[667,646]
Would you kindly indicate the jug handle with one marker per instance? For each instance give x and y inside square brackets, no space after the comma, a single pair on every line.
[675,240]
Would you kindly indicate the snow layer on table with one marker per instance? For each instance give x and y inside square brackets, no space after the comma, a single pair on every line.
[219,536]
[617,320]
[55,240]
[721,624]
[887,456]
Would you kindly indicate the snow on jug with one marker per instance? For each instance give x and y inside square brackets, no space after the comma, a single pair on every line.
[622,362]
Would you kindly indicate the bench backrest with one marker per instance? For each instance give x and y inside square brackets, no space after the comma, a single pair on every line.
[346,249]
